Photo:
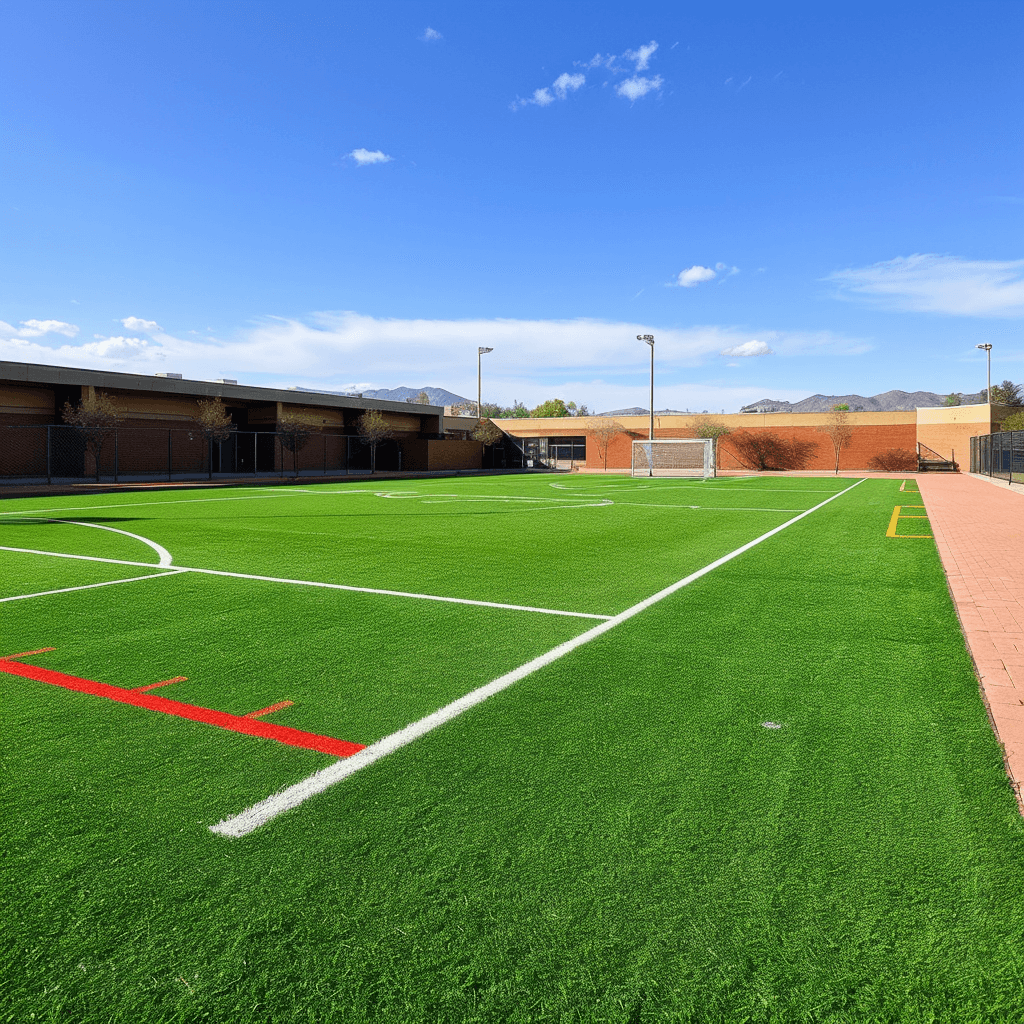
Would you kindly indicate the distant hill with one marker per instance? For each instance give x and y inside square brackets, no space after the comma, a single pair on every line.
[888,401]
[437,396]
[635,410]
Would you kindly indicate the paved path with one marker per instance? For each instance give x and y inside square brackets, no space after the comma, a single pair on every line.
[979,530]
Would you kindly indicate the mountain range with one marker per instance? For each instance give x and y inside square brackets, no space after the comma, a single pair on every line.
[437,396]
[888,401]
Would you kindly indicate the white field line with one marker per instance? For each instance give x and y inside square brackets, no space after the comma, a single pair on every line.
[90,586]
[704,508]
[145,504]
[266,810]
[701,487]
[162,553]
[317,583]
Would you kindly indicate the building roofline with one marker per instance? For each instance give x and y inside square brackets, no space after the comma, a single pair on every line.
[39,373]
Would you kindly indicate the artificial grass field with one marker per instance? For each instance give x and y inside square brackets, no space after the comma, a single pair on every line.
[618,836]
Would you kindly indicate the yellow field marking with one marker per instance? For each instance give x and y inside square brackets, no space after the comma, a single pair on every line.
[897,515]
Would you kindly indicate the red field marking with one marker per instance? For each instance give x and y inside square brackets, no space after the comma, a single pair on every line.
[25,654]
[165,682]
[267,711]
[221,719]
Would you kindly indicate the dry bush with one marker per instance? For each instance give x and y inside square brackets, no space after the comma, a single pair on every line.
[764,449]
[894,460]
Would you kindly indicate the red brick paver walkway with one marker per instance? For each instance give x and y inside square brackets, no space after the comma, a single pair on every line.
[979,530]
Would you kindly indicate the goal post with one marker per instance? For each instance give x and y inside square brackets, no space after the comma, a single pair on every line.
[685,456]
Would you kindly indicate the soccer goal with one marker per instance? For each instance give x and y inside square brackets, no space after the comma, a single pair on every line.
[688,456]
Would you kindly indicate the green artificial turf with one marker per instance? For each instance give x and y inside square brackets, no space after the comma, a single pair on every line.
[617,837]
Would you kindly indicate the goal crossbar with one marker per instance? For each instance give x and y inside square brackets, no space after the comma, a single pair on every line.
[684,456]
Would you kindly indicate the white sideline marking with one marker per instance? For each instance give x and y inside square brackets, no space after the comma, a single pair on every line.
[705,508]
[162,552]
[145,504]
[90,586]
[266,810]
[317,583]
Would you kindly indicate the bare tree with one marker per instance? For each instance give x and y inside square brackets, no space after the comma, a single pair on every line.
[708,426]
[374,430]
[838,428]
[764,449]
[214,423]
[95,418]
[293,431]
[604,431]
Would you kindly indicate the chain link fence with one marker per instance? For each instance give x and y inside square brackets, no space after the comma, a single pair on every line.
[1000,455]
[64,454]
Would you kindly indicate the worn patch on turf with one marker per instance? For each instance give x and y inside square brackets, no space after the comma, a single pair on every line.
[208,716]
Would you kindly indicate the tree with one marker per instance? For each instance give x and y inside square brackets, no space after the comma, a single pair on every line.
[214,423]
[952,399]
[604,431]
[374,430]
[1007,393]
[552,407]
[1015,421]
[518,411]
[95,418]
[894,460]
[764,450]
[839,429]
[293,431]
[708,426]
[466,408]
[487,432]
[577,410]
[421,399]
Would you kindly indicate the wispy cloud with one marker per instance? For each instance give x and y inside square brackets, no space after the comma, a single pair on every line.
[431,35]
[133,323]
[562,85]
[37,328]
[695,275]
[634,88]
[933,283]
[365,157]
[641,55]
[748,349]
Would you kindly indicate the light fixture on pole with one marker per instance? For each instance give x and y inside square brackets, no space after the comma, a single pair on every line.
[479,352]
[649,338]
[988,349]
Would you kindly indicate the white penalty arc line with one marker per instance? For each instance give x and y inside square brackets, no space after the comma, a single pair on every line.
[317,583]
[162,553]
[91,586]
[266,810]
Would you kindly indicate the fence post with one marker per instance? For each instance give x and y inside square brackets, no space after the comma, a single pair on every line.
[49,474]
[168,454]
[115,455]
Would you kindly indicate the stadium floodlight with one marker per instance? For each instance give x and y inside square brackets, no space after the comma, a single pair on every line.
[683,456]
[479,352]
[649,339]
[988,349]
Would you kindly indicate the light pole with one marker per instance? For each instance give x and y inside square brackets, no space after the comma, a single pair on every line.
[649,338]
[988,349]
[479,352]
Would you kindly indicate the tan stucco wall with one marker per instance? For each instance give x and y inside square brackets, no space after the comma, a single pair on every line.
[948,430]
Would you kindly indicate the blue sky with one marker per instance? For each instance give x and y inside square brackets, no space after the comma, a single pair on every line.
[793,198]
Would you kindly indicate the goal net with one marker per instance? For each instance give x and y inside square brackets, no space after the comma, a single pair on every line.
[690,456]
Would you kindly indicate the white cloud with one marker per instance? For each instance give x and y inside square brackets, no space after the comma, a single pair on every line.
[641,55]
[431,35]
[566,83]
[694,276]
[364,157]
[934,283]
[37,328]
[634,88]
[532,359]
[133,323]
[563,85]
[748,348]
